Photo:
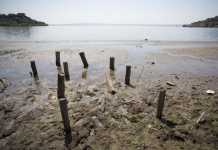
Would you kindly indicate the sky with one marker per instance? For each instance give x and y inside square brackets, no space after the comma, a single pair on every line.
[113,11]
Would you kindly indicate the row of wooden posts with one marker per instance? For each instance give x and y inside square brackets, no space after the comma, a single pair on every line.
[66,76]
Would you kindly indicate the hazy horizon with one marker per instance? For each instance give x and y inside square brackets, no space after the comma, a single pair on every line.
[138,12]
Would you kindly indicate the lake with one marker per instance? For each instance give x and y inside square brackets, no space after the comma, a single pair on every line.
[58,36]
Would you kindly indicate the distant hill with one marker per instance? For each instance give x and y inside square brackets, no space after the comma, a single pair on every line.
[19,19]
[209,23]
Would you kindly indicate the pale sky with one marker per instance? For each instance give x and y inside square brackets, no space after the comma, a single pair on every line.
[113,11]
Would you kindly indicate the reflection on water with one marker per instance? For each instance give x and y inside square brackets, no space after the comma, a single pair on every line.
[15,33]
[84,73]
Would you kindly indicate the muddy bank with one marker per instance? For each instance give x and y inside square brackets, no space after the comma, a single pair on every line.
[30,117]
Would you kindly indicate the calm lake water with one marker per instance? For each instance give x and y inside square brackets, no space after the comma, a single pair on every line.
[105,34]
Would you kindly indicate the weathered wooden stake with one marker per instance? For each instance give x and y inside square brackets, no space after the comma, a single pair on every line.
[63,108]
[128,73]
[61,86]
[34,70]
[83,57]
[160,104]
[66,121]
[112,60]
[66,71]
[58,58]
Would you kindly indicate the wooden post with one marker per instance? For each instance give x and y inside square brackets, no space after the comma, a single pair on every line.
[83,58]
[66,71]
[66,121]
[128,73]
[112,60]
[34,70]
[160,104]
[64,110]
[58,58]
[61,86]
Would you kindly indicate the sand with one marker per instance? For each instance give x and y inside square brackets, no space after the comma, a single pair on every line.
[30,117]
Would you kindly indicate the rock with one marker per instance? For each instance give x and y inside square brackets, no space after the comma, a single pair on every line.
[194,88]
[176,77]
[9,129]
[136,108]
[97,123]
[83,132]
[91,91]
[3,85]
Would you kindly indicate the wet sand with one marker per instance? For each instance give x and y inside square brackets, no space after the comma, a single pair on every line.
[30,116]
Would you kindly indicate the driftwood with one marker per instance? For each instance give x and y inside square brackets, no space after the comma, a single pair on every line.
[171,83]
[201,117]
[109,82]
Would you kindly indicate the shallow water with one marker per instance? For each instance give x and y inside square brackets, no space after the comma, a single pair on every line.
[125,42]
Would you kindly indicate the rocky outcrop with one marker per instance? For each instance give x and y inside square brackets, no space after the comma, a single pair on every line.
[19,19]
[209,23]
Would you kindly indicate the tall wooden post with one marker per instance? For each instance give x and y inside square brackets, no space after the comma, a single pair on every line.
[61,86]
[83,58]
[64,110]
[34,70]
[160,105]
[128,74]
[66,71]
[66,121]
[112,61]
[58,58]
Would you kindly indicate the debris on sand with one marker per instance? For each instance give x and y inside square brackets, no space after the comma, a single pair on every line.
[171,83]
[210,92]
[201,118]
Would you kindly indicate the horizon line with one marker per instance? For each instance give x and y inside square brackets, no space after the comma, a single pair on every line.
[115,24]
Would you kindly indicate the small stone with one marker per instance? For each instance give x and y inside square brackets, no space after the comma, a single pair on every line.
[3,85]
[194,88]
[176,77]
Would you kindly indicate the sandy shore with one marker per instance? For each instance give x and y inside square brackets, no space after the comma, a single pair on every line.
[29,110]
